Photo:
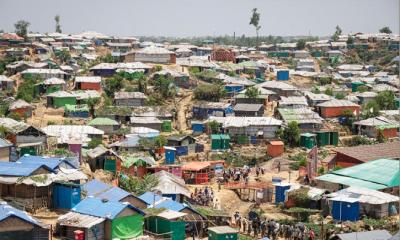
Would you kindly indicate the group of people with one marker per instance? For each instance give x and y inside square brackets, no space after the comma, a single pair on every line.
[261,227]
[203,197]
[240,174]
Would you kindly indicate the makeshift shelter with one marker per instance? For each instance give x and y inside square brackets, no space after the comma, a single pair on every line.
[350,156]
[180,140]
[101,157]
[88,83]
[54,85]
[372,203]
[171,186]
[248,110]
[259,127]
[106,124]
[136,165]
[335,108]
[381,174]
[200,172]
[92,227]
[64,133]
[60,99]
[206,109]
[21,108]
[279,87]
[16,224]
[169,224]
[131,99]
[371,127]
[76,111]
[5,150]
[293,102]
[149,122]
[222,233]
[307,119]
[123,221]
[367,235]
[6,83]
[26,138]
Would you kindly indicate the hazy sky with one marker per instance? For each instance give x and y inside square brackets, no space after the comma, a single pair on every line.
[202,17]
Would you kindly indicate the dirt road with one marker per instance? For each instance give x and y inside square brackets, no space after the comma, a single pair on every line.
[182,107]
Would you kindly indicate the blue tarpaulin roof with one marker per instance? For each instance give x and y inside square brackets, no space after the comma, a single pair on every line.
[19,169]
[105,209]
[50,162]
[171,205]
[102,190]
[148,197]
[8,211]
[95,187]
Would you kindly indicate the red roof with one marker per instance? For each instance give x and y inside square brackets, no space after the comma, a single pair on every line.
[11,36]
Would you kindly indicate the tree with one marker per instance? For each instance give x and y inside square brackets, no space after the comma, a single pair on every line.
[58,26]
[113,85]
[339,96]
[329,91]
[371,109]
[338,32]
[138,186]
[385,30]
[142,84]
[252,92]
[214,126]
[350,40]
[386,100]
[362,88]
[380,137]
[94,143]
[291,134]
[21,28]
[255,20]
[64,56]
[92,102]
[209,92]
[160,141]
[164,85]
[301,44]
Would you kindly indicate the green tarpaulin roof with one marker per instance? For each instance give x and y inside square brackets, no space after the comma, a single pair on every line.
[378,174]
[348,181]
[76,108]
[102,121]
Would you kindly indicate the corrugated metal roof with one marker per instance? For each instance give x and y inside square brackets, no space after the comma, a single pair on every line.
[378,121]
[370,235]
[171,215]
[73,219]
[129,95]
[277,85]
[65,133]
[294,100]
[171,184]
[54,81]
[145,120]
[248,107]
[337,103]
[103,122]
[364,195]
[223,230]
[43,71]
[12,125]
[88,79]
[232,121]
[367,153]
[300,115]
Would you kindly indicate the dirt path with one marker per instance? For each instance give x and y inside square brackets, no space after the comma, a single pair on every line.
[182,107]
